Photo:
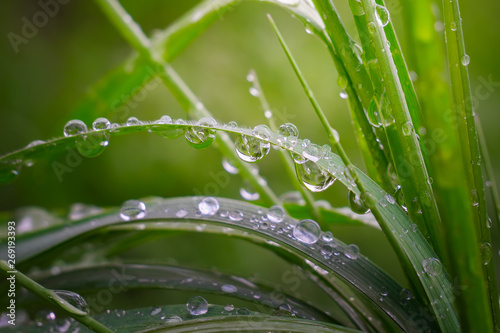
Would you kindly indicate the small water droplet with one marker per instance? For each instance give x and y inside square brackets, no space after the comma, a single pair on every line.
[132,121]
[132,209]
[228,288]
[453,26]
[155,310]
[372,27]
[486,252]
[343,94]
[181,213]
[173,319]
[352,251]
[236,215]
[382,15]
[268,114]
[276,214]
[465,60]
[357,7]
[254,92]
[229,307]
[432,266]
[74,299]
[101,124]
[327,251]
[74,127]
[209,206]
[197,305]
[313,152]
[327,236]
[229,166]
[307,231]
[357,204]
[243,312]
[248,193]
[407,128]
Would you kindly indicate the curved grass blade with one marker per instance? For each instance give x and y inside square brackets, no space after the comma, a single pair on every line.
[142,276]
[358,273]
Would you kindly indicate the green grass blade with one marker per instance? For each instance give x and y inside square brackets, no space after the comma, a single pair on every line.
[51,297]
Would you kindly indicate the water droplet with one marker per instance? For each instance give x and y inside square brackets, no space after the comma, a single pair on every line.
[312,177]
[74,127]
[262,132]
[197,305]
[372,27]
[352,251]
[268,114]
[101,124]
[327,236]
[209,206]
[357,204]
[201,137]
[343,94]
[92,144]
[465,60]
[251,76]
[432,266]
[289,2]
[313,152]
[169,133]
[292,197]
[309,29]
[453,26]
[164,120]
[229,307]
[327,251]
[173,319]
[407,128]
[357,7]
[373,114]
[251,149]
[131,121]
[307,231]
[243,312]
[288,130]
[132,209]
[254,92]
[248,193]
[74,299]
[155,310]
[486,252]
[405,294]
[181,213]
[229,166]
[35,143]
[79,211]
[9,170]
[382,15]
[228,288]
[236,215]
[276,214]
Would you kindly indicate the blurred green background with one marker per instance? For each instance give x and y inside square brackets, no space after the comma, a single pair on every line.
[46,80]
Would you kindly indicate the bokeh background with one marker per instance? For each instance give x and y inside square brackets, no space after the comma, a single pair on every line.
[42,85]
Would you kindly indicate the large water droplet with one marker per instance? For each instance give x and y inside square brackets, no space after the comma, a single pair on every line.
[74,127]
[307,231]
[197,305]
[251,149]
[382,15]
[432,266]
[209,206]
[201,137]
[352,251]
[276,214]
[132,209]
[287,135]
[313,177]
[262,132]
[74,299]
[357,204]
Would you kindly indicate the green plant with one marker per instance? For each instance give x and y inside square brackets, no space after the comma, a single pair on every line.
[429,203]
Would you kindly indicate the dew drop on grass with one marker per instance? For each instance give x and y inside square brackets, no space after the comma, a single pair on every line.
[248,193]
[357,204]
[432,266]
[132,121]
[74,127]
[228,288]
[229,307]
[251,149]
[209,206]
[268,114]
[201,137]
[251,76]
[453,26]
[327,251]
[236,215]
[276,214]
[327,236]
[9,170]
[164,120]
[132,209]
[288,130]
[343,94]
[197,305]
[307,231]
[101,124]
[465,60]
[372,27]
[74,299]
[352,251]
[230,167]
[155,310]
[356,7]
[170,133]
[173,319]
[313,152]
[92,144]
[407,128]
[181,213]
[254,92]
[262,132]
[486,252]
[382,15]
[243,312]
[313,177]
